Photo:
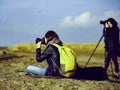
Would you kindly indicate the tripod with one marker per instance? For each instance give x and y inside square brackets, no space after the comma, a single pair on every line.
[94,50]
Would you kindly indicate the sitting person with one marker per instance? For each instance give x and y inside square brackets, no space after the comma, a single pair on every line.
[51,54]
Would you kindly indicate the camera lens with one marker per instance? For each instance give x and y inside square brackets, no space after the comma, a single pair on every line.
[102,22]
[37,40]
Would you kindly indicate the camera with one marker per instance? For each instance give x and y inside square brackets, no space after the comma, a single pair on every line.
[103,22]
[39,39]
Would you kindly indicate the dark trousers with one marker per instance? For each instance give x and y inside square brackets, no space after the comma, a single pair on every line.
[111,55]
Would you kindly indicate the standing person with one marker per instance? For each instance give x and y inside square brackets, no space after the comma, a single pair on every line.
[51,54]
[112,44]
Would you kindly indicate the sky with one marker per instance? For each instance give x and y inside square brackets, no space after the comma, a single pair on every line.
[75,21]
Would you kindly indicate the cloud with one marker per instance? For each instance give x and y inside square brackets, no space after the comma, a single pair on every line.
[87,20]
[83,20]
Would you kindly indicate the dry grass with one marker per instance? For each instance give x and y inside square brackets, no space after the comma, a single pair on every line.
[22,55]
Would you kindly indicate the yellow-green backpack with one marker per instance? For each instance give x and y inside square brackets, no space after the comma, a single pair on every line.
[67,61]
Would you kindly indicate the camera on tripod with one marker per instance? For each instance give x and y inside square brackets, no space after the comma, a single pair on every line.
[103,22]
[40,40]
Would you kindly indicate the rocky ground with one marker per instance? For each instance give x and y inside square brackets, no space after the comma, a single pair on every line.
[10,79]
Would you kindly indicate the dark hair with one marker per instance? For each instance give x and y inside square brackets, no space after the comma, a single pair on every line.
[113,21]
[51,34]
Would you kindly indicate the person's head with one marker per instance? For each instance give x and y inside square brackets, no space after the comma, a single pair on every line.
[110,23]
[50,35]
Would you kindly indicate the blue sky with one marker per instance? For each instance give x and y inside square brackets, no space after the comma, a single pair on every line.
[75,21]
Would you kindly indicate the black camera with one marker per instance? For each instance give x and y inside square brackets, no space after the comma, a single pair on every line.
[103,22]
[39,39]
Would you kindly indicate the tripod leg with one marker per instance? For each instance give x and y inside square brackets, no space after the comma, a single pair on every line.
[93,51]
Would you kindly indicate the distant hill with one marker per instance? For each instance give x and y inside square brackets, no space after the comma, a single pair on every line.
[78,48]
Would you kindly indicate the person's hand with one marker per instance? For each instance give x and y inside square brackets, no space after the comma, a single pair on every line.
[106,25]
[38,42]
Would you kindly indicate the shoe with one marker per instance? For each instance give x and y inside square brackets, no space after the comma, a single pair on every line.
[116,75]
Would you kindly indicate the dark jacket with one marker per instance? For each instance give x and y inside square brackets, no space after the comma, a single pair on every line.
[112,39]
[50,53]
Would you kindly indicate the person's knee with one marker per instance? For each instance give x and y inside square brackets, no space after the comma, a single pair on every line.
[30,67]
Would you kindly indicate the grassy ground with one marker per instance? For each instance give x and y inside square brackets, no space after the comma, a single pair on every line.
[18,57]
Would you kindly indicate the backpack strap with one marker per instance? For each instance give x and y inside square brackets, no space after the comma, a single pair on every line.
[57,67]
[61,71]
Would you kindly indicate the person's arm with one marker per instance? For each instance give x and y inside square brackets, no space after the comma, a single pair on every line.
[38,52]
[42,56]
